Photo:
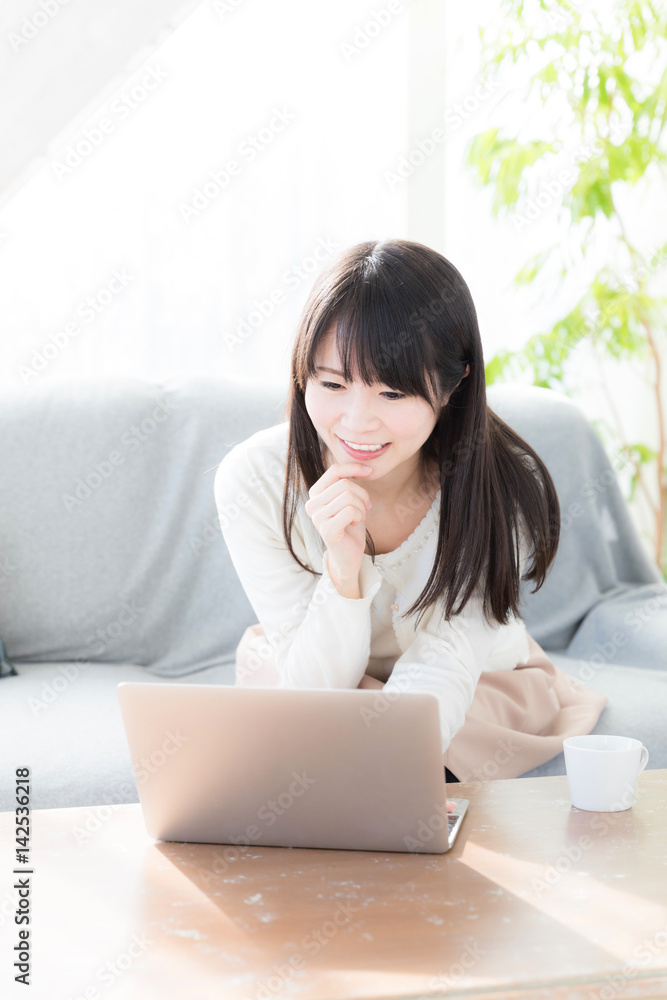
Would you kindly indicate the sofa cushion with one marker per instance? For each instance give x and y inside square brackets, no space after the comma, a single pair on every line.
[63,721]
[65,724]
[637,707]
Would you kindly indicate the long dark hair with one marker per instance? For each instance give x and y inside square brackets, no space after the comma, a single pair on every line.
[406,315]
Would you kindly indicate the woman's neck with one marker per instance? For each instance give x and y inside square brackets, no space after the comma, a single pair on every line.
[409,491]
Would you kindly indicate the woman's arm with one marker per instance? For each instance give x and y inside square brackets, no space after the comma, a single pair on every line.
[318,637]
[368,681]
[445,659]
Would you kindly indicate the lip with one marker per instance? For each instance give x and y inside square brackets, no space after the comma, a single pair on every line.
[364,455]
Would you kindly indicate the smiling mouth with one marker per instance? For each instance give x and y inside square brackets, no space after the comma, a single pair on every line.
[371,449]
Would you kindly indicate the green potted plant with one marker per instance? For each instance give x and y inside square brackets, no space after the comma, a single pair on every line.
[609,66]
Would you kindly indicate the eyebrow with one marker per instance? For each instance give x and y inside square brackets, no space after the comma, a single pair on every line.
[333,371]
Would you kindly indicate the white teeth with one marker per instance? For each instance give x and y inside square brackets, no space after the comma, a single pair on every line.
[363,447]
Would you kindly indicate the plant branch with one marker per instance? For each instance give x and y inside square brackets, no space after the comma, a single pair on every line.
[619,428]
[660,516]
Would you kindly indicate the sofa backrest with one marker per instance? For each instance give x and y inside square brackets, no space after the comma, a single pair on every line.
[603,577]
[110,543]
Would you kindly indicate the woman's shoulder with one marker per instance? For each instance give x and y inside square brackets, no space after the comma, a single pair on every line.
[273,439]
[250,480]
[263,450]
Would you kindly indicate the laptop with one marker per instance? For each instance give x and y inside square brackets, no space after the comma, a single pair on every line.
[337,768]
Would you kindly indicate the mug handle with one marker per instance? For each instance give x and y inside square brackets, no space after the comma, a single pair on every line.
[643,760]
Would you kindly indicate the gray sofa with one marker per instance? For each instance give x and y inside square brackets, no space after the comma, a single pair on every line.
[113,568]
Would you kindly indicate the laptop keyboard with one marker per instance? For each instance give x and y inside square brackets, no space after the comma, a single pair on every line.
[451,820]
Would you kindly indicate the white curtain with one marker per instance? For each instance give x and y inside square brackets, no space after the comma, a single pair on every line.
[180,227]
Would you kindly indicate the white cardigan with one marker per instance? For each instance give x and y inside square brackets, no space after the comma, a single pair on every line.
[322,640]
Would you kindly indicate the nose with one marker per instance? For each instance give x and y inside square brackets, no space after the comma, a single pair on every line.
[357,416]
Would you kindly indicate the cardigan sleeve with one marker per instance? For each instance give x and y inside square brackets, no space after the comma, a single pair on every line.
[319,639]
[446,659]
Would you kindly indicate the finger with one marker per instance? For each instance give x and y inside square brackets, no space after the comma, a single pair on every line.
[338,523]
[346,490]
[451,806]
[339,470]
[344,501]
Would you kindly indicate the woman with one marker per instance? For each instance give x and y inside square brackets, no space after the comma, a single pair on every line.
[381,532]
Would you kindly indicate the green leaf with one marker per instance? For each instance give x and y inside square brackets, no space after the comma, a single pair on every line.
[503,162]
[620,74]
[498,366]
[642,452]
[526,274]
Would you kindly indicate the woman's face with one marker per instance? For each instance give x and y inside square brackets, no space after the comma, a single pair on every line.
[351,413]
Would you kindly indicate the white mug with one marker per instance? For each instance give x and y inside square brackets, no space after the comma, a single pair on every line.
[602,771]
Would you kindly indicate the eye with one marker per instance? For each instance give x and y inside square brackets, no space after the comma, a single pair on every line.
[395,395]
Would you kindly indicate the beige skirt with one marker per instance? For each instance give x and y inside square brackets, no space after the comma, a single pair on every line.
[517,720]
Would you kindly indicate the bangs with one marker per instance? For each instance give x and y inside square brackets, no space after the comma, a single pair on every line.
[388,345]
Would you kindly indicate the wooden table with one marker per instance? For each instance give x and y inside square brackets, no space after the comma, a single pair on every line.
[536,900]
